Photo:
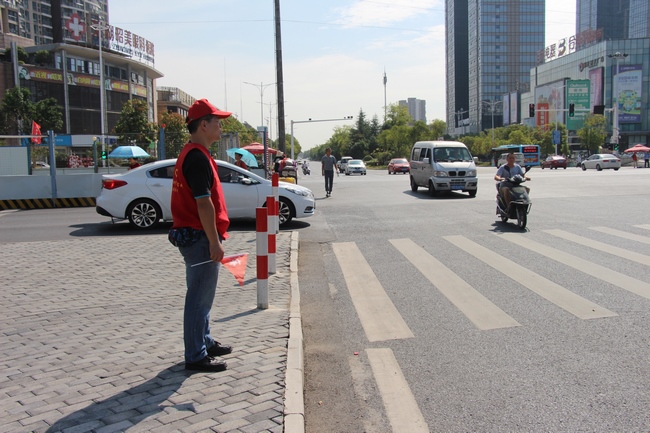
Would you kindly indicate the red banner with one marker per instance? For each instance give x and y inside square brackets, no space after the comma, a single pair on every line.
[36,130]
[237,265]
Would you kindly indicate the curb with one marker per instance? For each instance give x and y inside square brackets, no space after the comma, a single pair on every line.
[294,405]
[47,203]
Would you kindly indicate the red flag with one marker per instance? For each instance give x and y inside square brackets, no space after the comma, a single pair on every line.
[36,130]
[237,265]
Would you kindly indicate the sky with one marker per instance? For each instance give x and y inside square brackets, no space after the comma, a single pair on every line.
[334,54]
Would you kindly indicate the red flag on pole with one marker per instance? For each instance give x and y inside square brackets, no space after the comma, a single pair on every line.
[237,265]
[36,130]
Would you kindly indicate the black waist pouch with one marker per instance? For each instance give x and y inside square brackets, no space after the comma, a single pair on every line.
[184,236]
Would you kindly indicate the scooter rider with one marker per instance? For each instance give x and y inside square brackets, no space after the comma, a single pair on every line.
[506,171]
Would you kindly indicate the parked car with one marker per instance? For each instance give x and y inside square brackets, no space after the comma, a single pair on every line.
[554,161]
[355,166]
[342,163]
[143,195]
[398,165]
[600,161]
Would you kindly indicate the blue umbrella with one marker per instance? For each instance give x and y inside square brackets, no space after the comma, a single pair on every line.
[246,156]
[128,152]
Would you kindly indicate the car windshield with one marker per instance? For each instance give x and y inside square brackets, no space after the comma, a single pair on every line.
[355,162]
[400,161]
[451,154]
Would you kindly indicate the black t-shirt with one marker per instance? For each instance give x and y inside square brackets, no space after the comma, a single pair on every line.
[197,171]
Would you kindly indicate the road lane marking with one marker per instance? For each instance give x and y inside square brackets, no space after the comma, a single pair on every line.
[380,319]
[401,408]
[601,246]
[563,298]
[622,234]
[478,309]
[617,279]
[643,226]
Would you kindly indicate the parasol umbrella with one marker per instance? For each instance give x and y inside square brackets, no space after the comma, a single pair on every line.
[246,156]
[128,152]
[637,148]
[257,149]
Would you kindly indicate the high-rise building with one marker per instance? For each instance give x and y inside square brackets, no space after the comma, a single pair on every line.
[52,21]
[612,16]
[417,108]
[491,46]
[618,19]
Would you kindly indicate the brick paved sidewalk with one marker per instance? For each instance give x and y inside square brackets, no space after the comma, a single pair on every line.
[91,340]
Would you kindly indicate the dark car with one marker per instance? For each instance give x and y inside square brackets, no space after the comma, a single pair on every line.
[398,165]
[555,161]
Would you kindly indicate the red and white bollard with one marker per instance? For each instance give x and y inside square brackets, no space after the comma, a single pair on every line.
[272,210]
[261,217]
[275,182]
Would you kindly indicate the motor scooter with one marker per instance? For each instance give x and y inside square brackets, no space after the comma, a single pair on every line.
[520,202]
[305,169]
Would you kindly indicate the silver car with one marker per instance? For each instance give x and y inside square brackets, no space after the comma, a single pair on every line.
[599,161]
[355,166]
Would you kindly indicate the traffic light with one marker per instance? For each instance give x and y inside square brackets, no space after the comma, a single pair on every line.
[531,110]
[572,110]
[104,154]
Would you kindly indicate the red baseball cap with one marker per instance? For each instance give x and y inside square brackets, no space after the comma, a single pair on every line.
[201,108]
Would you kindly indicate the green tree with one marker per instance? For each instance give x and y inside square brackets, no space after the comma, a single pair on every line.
[176,134]
[438,128]
[247,135]
[593,133]
[17,111]
[43,57]
[296,145]
[134,127]
[49,115]
[23,57]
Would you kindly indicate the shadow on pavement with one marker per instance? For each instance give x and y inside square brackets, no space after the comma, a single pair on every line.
[449,195]
[147,399]
[507,227]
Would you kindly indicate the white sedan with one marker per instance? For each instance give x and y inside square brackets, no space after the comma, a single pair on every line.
[355,166]
[600,161]
[143,195]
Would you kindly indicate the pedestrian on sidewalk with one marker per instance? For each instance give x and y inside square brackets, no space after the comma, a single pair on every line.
[635,160]
[200,223]
[646,160]
[328,165]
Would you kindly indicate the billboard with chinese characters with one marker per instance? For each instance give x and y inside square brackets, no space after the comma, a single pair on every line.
[130,44]
[577,93]
[628,85]
[596,87]
[549,100]
[514,107]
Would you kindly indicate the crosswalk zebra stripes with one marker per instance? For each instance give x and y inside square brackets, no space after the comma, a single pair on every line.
[382,321]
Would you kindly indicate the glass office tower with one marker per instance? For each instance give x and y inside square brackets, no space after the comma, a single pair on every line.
[491,45]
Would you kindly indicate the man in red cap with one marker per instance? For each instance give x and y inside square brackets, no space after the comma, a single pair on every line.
[200,223]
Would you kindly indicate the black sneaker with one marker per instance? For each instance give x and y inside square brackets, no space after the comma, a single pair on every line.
[218,349]
[207,364]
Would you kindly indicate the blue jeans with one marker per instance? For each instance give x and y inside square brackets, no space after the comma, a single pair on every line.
[201,287]
[329,180]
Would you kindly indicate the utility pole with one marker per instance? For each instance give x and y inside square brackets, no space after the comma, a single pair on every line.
[617,56]
[279,78]
[385,107]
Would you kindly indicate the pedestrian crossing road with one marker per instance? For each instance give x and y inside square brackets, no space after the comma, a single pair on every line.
[382,321]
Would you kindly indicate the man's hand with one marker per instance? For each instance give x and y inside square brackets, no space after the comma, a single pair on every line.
[216,251]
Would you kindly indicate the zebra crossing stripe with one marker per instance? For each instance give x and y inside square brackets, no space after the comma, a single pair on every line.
[601,246]
[558,295]
[617,279]
[401,407]
[622,234]
[380,319]
[643,226]
[478,309]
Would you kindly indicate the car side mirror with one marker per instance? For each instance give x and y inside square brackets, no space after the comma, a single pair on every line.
[425,160]
[246,181]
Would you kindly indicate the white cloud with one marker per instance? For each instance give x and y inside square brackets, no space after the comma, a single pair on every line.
[377,13]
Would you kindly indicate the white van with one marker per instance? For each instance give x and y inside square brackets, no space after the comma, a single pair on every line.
[443,166]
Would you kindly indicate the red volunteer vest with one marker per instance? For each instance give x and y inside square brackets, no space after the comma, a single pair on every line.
[184,209]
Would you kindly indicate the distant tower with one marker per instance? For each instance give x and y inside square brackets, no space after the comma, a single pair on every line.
[385,80]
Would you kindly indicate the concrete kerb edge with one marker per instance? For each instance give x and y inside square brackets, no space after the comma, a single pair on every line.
[294,405]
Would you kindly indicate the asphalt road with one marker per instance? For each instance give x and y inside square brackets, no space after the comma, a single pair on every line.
[575,355]
[553,369]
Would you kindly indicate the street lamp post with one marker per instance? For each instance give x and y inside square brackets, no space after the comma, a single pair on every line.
[617,56]
[101,27]
[492,105]
[260,86]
